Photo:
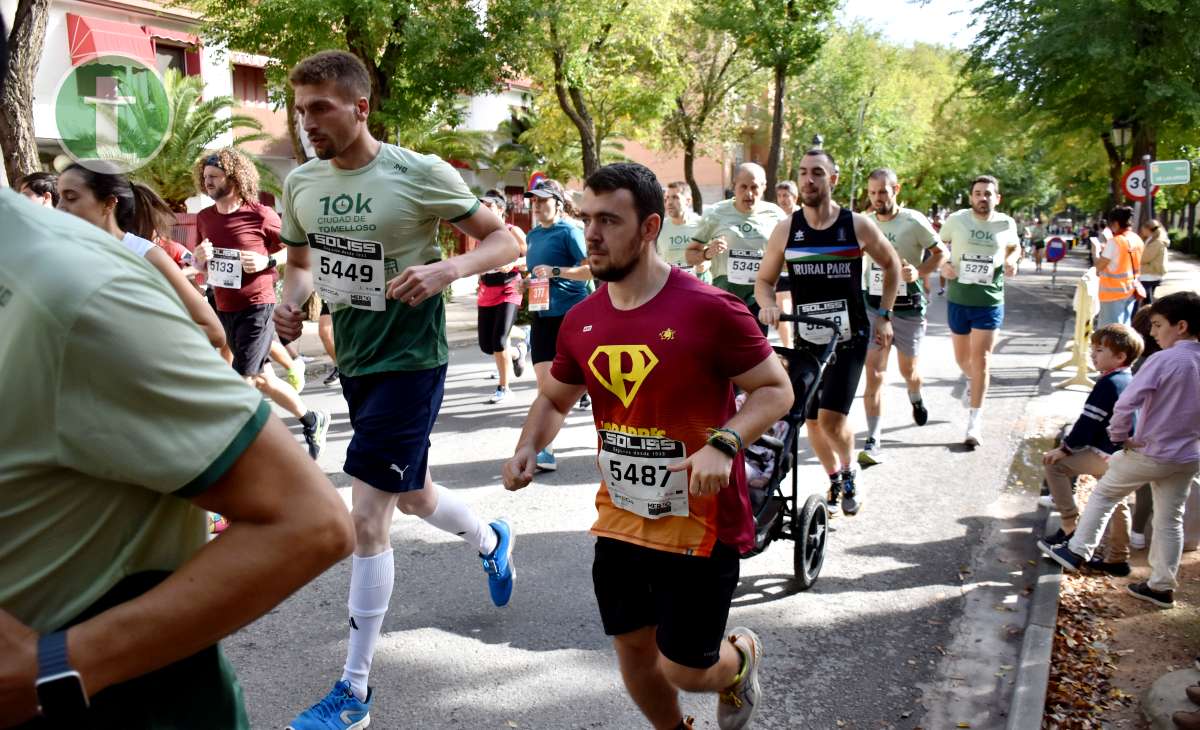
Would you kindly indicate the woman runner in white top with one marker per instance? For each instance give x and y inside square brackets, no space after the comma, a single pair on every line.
[132,213]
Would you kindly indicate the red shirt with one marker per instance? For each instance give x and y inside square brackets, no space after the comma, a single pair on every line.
[661,374]
[177,251]
[252,227]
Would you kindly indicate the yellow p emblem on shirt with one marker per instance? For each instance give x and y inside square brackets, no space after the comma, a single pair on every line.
[628,367]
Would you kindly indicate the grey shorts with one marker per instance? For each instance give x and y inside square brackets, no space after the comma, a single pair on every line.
[907,333]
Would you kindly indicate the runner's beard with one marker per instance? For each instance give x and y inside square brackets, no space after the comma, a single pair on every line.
[888,209]
[616,271]
[983,209]
[814,200]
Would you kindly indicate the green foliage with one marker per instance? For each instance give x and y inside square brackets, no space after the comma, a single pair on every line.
[1071,67]
[421,56]
[197,123]
[719,82]
[604,65]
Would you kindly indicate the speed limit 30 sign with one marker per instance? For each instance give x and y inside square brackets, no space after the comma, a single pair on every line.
[1135,183]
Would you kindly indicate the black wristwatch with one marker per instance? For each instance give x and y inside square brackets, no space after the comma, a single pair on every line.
[555,271]
[62,698]
[271,262]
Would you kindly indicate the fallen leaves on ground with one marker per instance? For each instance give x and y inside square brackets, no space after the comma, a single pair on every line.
[1081,665]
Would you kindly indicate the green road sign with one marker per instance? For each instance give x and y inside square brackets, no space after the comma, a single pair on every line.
[1170,172]
[113,114]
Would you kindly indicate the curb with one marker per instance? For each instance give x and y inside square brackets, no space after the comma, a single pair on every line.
[1033,669]
[1037,645]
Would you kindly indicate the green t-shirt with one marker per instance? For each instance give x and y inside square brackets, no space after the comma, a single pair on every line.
[673,241]
[910,233]
[392,205]
[977,252]
[118,408]
[747,234]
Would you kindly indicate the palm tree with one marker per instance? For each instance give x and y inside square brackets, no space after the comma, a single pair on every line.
[196,124]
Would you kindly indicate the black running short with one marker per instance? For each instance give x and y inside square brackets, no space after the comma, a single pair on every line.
[324,308]
[840,379]
[685,596]
[249,333]
[543,334]
[494,324]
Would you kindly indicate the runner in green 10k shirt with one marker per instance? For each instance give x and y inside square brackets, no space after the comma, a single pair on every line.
[733,234]
[362,221]
[984,248]
[677,230]
[912,236]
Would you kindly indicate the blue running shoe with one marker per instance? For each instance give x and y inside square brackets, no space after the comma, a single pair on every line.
[499,565]
[339,710]
[545,460]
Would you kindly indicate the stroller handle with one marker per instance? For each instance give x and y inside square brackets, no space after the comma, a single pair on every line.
[831,324]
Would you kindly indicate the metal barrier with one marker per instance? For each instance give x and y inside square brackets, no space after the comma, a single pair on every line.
[1086,304]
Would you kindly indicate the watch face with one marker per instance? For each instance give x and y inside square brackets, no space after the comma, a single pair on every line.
[62,695]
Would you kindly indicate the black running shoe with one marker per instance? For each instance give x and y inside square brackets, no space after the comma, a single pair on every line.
[1120,569]
[1162,599]
[585,403]
[332,377]
[832,503]
[519,361]
[920,414]
[315,436]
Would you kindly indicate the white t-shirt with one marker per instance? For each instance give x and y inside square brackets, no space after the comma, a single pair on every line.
[1112,252]
[137,244]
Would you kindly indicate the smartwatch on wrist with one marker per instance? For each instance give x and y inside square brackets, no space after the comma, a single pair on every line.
[885,314]
[555,271]
[60,692]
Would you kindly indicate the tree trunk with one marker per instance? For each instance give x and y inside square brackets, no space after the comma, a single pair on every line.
[25,42]
[298,153]
[571,101]
[689,175]
[1114,170]
[776,132]
[1192,219]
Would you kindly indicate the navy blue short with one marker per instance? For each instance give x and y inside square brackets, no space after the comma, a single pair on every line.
[963,318]
[392,415]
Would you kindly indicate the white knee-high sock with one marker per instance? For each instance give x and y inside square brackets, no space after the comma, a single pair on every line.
[454,516]
[371,581]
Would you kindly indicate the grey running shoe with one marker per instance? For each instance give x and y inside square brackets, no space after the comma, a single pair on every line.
[850,501]
[737,705]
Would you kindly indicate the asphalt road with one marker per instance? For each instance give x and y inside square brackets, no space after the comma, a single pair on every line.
[915,621]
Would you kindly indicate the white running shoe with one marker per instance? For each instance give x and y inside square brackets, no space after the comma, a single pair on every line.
[974,437]
[500,394]
[1046,501]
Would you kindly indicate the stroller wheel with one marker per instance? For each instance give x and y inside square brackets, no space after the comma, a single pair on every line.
[810,528]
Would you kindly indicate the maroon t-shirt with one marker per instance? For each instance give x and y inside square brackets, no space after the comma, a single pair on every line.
[252,227]
[661,375]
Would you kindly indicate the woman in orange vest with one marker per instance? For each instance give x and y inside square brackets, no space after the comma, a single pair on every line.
[1118,266]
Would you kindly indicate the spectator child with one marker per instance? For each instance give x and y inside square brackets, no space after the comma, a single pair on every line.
[1087,448]
[1165,452]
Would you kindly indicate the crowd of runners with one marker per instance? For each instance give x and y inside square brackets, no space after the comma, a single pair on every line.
[677,325]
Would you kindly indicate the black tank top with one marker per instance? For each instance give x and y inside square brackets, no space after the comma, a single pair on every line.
[825,267]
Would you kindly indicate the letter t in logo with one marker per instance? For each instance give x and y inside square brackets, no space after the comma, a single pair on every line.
[108,102]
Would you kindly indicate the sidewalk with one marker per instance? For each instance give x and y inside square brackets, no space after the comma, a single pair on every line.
[1043,417]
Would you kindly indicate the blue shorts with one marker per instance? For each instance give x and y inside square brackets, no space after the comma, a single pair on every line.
[392,415]
[963,318]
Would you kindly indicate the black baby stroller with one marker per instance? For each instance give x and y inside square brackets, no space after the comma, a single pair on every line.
[778,512]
